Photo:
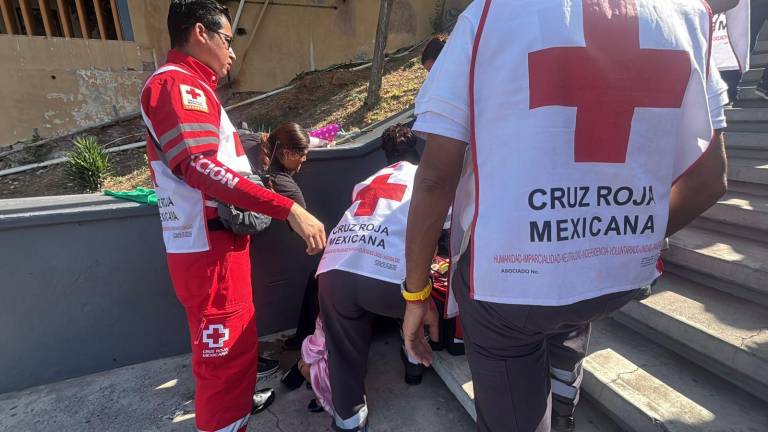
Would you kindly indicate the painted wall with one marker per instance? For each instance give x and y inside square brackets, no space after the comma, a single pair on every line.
[85,283]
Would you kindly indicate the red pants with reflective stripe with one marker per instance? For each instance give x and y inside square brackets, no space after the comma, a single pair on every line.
[215,289]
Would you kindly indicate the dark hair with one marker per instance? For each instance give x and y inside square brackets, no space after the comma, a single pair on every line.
[399,144]
[433,48]
[184,14]
[287,137]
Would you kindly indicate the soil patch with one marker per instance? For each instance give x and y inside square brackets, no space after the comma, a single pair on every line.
[334,96]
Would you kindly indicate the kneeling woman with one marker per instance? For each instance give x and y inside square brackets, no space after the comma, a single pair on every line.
[360,275]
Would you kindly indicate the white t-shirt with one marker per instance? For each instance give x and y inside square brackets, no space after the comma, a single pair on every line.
[442,105]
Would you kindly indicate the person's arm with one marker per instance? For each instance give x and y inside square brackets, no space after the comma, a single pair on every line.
[720,6]
[209,175]
[433,190]
[700,187]
[218,181]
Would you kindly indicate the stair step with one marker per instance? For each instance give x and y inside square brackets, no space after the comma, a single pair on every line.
[747,145]
[746,140]
[753,75]
[748,170]
[747,120]
[747,188]
[748,211]
[761,46]
[719,256]
[735,115]
[757,60]
[720,332]
[748,93]
[454,371]
[646,388]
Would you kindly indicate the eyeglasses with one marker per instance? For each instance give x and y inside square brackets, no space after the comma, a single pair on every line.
[225,37]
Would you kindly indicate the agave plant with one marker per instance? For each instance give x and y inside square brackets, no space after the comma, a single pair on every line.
[88,164]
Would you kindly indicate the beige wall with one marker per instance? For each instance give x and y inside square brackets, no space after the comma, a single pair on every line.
[148,19]
[92,77]
[291,40]
[55,84]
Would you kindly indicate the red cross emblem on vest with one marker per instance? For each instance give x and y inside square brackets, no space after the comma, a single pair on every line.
[193,93]
[607,79]
[379,188]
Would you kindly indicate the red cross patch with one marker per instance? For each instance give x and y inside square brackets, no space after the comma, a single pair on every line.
[378,189]
[193,99]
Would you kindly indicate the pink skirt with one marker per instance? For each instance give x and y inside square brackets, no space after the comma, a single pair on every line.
[314,354]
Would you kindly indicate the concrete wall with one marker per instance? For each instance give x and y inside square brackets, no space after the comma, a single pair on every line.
[85,285]
[56,84]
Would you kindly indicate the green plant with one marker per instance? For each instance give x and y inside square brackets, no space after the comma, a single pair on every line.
[87,165]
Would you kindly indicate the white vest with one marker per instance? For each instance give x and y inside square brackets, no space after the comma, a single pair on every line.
[182,207]
[579,125]
[370,238]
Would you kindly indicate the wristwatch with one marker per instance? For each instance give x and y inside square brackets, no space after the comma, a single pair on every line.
[416,296]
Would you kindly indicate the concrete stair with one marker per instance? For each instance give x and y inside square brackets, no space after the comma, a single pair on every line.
[725,334]
[740,214]
[747,145]
[748,170]
[732,264]
[646,388]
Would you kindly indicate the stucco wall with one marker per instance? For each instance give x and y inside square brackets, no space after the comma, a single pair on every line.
[292,39]
[96,81]
[56,84]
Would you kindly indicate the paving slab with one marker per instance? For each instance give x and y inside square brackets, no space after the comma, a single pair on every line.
[158,396]
[646,388]
[720,332]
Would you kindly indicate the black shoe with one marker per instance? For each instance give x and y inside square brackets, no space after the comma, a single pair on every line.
[262,399]
[315,407]
[293,343]
[563,423]
[293,378]
[762,89]
[413,372]
[643,293]
[267,367]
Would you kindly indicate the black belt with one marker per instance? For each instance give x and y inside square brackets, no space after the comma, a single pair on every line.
[215,225]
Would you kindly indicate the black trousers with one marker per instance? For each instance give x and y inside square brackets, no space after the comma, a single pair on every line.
[348,303]
[526,360]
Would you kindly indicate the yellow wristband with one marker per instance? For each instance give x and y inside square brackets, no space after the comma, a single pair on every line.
[417,296]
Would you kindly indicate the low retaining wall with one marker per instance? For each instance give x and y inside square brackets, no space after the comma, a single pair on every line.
[86,288]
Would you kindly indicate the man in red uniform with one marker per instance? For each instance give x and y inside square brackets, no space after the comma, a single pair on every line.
[196,159]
